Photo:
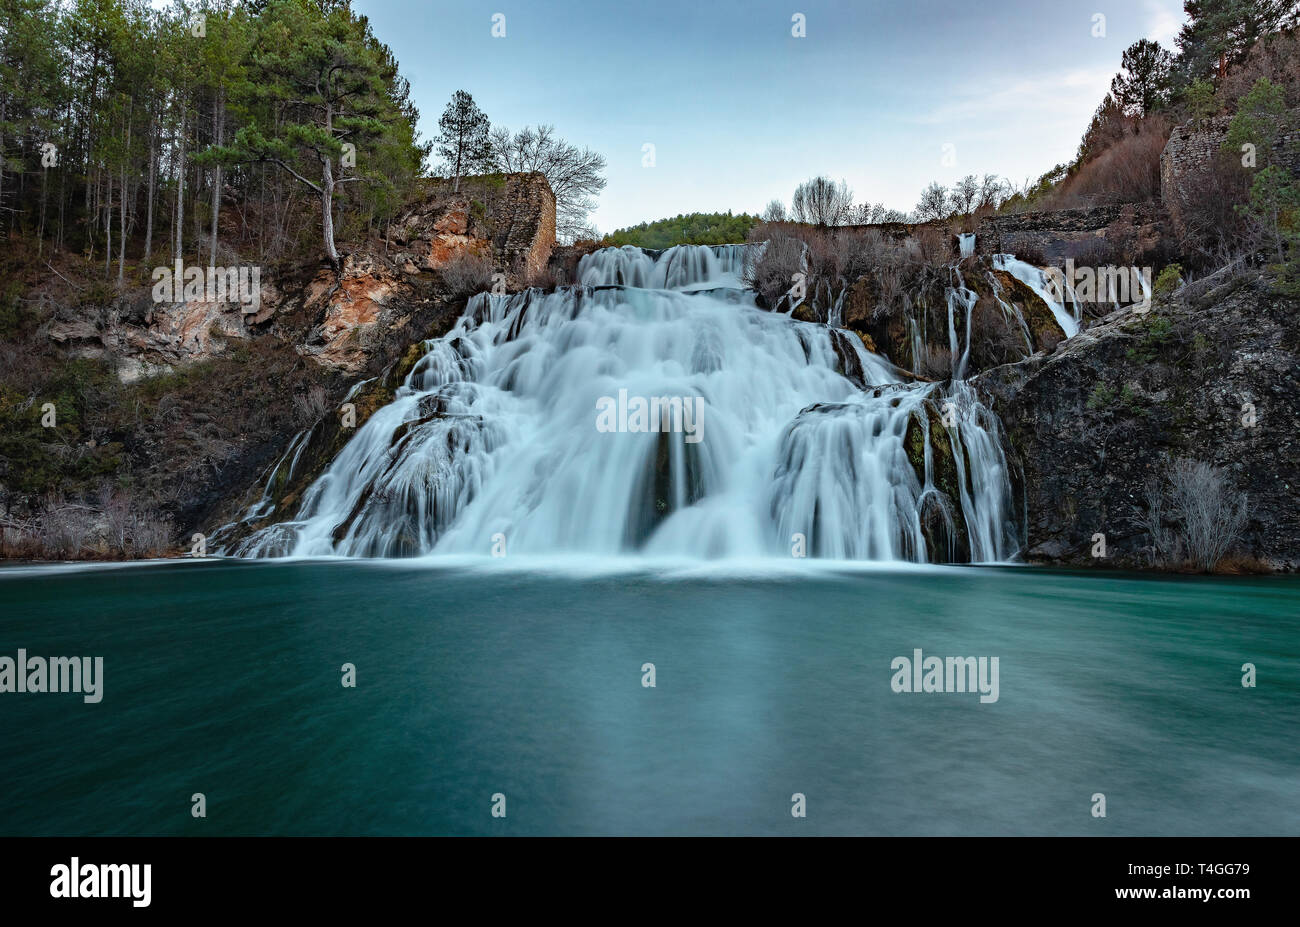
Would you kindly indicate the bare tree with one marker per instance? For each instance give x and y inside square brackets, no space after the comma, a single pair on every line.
[964,195]
[993,190]
[772,271]
[574,174]
[869,213]
[933,204]
[774,212]
[1153,520]
[1212,513]
[822,201]
[116,508]
[467,273]
[312,405]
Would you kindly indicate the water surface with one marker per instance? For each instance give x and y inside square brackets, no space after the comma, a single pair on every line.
[478,677]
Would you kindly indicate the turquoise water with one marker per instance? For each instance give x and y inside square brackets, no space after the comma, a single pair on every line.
[484,677]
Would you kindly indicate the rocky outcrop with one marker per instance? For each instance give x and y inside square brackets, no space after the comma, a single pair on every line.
[1009,321]
[1210,377]
[508,218]
[511,229]
[372,294]
[140,336]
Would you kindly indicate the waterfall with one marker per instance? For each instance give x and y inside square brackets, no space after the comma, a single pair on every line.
[526,426]
[960,295]
[966,241]
[683,267]
[1037,280]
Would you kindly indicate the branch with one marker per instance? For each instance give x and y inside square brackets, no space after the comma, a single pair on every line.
[294,173]
[63,278]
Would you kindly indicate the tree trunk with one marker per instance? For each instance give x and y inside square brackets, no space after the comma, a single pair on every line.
[197,181]
[40,235]
[327,209]
[121,213]
[3,103]
[108,222]
[180,195]
[219,133]
[63,202]
[327,194]
[153,169]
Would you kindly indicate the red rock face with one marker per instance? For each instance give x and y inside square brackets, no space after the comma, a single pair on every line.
[455,221]
[447,246]
[350,311]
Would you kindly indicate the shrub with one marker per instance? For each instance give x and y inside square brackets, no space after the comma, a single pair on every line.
[995,338]
[98,294]
[933,247]
[467,273]
[1275,58]
[936,364]
[1195,516]
[311,405]
[1206,202]
[1169,280]
[1101,397]
[771,275]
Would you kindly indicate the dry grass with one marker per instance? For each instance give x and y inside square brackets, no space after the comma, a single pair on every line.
[1127,171]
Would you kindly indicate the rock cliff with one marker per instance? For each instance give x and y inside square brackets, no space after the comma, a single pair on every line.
[1209,375]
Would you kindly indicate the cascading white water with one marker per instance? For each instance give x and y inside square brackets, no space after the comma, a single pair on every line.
[1037,280]
[966,242]
[685,267]
[493,439]
[960,295]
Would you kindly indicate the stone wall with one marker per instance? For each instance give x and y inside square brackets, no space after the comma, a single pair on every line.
[1106,234]
[1193,147]
[524,223]
[1119,233]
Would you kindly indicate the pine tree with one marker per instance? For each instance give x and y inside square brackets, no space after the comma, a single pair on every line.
[1220,32]
[326,74]
[1142,85]
[464,141]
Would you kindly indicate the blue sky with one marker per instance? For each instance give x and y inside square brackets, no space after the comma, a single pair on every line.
[739,111]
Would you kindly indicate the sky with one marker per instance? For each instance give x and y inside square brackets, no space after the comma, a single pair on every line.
[888,96]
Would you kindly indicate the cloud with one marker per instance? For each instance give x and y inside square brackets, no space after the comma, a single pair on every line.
[1164,19]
